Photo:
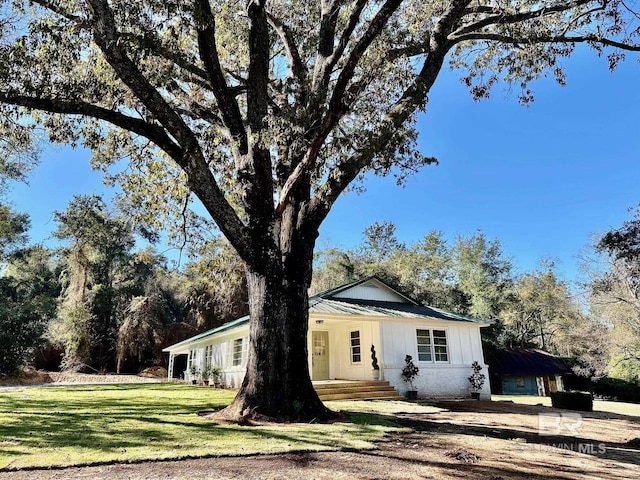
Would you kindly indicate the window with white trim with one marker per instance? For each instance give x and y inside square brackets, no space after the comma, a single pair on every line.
[432,345]
[424,346]
[192,358]
[356,353]
[236,359]
[208,356]
[440,345]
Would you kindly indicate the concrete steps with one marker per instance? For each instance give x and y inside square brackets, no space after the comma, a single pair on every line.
[365,390]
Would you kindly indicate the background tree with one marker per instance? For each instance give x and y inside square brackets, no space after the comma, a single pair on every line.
[269,110]
[542,313]
[214,285]
[13,230]
[615,294]
[484,275]
[97,287]
[28,293]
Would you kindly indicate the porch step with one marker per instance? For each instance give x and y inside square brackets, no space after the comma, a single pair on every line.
[341,390]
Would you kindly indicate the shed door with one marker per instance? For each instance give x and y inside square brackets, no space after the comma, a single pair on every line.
[320,359]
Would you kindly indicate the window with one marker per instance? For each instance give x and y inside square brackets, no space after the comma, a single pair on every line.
[208,356]
[440,346]
[356,354]
[237,352]
[520,382]
[432,345]
[192,358]
[424,346]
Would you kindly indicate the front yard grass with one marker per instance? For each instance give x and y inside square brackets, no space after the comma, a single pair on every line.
[78,425]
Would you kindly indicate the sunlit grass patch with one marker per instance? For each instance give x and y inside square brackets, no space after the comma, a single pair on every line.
[62,426]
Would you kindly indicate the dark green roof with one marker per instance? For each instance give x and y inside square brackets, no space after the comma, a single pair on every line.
[525,361]
[222,328]
[377,308]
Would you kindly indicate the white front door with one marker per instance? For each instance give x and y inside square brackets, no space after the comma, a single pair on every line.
[320,356]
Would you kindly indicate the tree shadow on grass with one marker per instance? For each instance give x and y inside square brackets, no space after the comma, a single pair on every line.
[502,406]
[127,427]
[619,451]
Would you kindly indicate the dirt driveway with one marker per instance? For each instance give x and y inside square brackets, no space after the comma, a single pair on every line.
[473,440]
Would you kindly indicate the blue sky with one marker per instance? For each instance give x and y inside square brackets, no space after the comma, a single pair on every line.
[539,178]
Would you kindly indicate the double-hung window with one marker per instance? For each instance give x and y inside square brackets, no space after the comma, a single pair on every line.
[432,345]
[208,356]
[356,353]
[236,359]
[192,358]
[424,346]
[440,346]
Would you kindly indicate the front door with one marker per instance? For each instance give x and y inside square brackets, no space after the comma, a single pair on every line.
[320,358]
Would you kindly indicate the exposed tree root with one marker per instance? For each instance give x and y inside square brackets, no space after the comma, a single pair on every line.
[252,417]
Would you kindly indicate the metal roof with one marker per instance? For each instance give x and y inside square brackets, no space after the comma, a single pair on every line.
[325,303]
[525,361]
[376,308]
[222,328]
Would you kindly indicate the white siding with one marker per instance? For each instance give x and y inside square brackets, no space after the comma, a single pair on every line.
[372,290]
[341,366]
[434,379]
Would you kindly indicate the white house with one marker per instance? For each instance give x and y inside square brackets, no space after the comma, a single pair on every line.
[343,325]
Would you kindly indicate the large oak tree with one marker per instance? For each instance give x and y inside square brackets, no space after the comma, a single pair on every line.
[268,111]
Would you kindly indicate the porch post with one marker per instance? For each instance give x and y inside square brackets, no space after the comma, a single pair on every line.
[170,369]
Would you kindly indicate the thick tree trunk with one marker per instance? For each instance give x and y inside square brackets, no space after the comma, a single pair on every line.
[277,385]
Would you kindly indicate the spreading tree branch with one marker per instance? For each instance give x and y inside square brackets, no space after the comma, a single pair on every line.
[337,54]
[413,97]
[567,39]
[228,105]
[503,19]
[108,38]
[336,104]
[200,178]
[298,68]
[153,132]
[329,10]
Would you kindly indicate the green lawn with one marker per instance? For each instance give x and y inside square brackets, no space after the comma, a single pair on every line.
[598,405]
[61,426]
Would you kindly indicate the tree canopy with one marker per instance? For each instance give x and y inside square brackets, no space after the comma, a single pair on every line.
[267,111]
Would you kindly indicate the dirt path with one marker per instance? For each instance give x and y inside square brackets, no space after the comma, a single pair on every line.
[486,440]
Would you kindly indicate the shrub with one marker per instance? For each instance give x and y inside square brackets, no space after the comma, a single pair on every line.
[476,380]
[617,389]
[580,401]
[410,371]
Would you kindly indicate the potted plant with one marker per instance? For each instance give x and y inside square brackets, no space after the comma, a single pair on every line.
[374,364]
[206,372]
[216,373]
[193,374]
[409,373]
[476,380]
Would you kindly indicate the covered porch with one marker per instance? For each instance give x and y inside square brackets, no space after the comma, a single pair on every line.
[340,349]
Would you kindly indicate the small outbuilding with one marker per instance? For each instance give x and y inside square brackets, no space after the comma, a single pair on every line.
[525,371]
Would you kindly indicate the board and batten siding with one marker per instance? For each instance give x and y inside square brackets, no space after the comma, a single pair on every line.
[435,379]
[222,355]
[371,290]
